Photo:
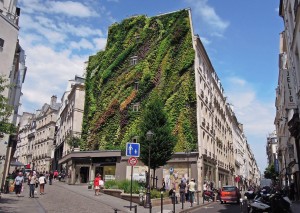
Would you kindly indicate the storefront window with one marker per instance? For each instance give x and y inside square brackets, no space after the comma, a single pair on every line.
[109,172]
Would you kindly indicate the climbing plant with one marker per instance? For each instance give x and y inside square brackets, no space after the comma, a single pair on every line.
[143,56]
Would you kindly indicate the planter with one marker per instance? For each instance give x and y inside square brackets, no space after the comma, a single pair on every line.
[113,192]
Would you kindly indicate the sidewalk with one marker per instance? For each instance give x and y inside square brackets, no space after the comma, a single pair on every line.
[296,207]
[117,203]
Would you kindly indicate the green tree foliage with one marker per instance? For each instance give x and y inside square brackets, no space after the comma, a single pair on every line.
[5,110]
[74,141]
[270,172]
[162,143]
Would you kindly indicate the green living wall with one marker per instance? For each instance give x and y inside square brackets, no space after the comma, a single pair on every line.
[114,86]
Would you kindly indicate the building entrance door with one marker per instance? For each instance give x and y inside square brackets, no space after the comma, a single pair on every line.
[84,174]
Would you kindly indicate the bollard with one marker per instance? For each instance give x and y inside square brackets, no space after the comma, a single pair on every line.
[135,208]
[198,198]
[161,201]
[244,205]
[173,201]
[116,210]
[150,208]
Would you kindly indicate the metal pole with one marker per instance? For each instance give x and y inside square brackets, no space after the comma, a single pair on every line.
[174,201]
[131,187]
[161,201]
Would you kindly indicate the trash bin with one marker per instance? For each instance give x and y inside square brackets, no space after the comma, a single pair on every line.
[90,185]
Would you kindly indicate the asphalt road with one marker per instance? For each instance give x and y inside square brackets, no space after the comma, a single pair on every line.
[218,207]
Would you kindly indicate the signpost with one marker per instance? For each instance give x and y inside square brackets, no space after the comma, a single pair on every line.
[132,150]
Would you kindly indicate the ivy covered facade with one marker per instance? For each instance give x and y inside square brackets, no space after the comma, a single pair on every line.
[143,57]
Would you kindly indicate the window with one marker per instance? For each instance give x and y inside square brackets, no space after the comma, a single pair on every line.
[136,85]
[133,60]
[136,107]
[1,44]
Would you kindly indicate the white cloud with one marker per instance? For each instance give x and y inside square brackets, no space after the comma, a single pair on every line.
[80,31]
[100,43]
[68,8]
[82,44]
[48,73]
[209,16]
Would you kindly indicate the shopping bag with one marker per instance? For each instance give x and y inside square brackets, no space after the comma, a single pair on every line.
[35,192]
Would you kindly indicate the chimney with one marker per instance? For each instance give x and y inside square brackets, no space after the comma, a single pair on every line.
[53,100]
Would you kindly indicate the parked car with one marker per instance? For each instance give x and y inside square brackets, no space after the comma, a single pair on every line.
[230,194]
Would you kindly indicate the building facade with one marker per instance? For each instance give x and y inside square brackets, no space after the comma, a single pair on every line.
[12,69]
[44,135]
[69,123]
[203,105]
[287,95]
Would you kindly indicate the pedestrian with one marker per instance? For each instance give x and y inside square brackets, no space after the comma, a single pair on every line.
[192,189]
[182,190]
[187,193]
[163,188]
[42,182]
[50,177]
[55,175]
[32,181]
[97,184]
[19,183]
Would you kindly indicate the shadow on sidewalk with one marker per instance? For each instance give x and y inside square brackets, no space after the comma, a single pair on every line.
[6,203]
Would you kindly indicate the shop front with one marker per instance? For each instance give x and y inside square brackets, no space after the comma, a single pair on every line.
[82,167]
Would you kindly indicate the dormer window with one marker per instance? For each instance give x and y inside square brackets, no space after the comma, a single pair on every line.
[136,85]
[136,107]
[133,60]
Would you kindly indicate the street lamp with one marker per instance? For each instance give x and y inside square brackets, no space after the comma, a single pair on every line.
[188,152]
[149,135]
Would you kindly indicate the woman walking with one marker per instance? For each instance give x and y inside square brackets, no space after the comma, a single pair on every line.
[97,184]
[32,182]
[42,182]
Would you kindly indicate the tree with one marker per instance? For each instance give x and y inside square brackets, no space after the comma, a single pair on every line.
[161,145]
[270,172]
[5,110]
[74,141]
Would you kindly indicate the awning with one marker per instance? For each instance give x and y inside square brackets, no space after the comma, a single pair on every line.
[16,163]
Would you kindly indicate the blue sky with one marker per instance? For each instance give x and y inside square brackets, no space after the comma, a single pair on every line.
[240,37]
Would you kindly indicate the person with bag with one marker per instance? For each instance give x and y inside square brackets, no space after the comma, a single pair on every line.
[18,183]
[32,181]
[42,182]
[97,184]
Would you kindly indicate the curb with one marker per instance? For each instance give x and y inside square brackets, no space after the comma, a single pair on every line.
[196,207]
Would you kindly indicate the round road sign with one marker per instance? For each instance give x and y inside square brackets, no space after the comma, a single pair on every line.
[132,161]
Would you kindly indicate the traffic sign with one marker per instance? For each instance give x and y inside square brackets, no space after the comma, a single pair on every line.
[132,161]
[133,149]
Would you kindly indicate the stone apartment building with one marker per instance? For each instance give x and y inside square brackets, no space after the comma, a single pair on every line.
[271,150]
[26,138]
[13,69]
[287,101]
[45,135]
[69,123]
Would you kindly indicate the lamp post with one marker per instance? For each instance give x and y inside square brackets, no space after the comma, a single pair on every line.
[149,135]
[188,152]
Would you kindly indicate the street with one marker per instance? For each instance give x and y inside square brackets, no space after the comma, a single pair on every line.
[56,199]
[218,207]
